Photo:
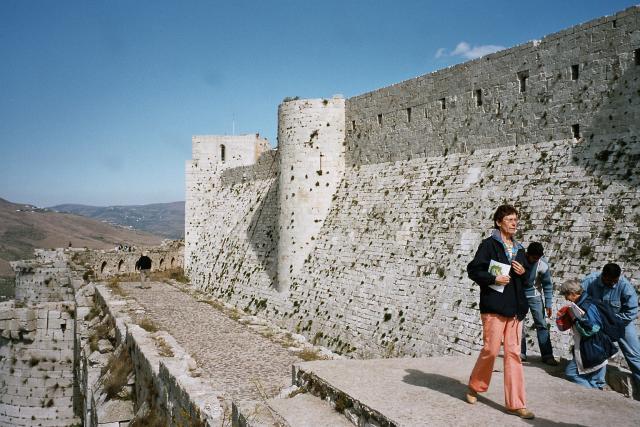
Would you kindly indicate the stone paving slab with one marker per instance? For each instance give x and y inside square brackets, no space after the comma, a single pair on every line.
[430,391]
[305,410]
[234,358]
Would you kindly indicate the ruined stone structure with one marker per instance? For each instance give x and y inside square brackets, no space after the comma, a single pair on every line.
[55,351]
[37,332]
[367,252]
[107,263]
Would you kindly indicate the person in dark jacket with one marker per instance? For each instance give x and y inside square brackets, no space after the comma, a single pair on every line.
[539,279]
[580,371]
[498,268]
[143,265]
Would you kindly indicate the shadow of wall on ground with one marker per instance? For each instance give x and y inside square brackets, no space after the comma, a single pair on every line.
[457,390]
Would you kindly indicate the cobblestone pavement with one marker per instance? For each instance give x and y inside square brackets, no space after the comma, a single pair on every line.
[236,359]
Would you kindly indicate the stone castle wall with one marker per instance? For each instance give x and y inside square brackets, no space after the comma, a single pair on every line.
[535,92]
[385,273]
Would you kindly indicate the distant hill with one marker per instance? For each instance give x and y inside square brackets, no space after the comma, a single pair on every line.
[161,219]
[24,228]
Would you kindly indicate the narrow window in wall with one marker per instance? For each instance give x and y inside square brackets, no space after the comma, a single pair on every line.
[408,115]
[575,71]
[522,78]
[443,103]
[497,107]
[425,113]
[380,119]
[575,131]
[223,152]
[478,95]
[636,56]
[614,23]
[353,125]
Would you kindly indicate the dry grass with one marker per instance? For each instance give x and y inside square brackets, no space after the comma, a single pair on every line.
[114,285]
[153,419]
[101,331]
[94,312]
[118,369]
[148,325]
[176,274]
[164,349]
[310,354]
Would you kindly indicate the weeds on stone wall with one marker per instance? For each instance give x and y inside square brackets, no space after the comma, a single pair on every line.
[148,325]
[164,349]
[99,332]
[117,371]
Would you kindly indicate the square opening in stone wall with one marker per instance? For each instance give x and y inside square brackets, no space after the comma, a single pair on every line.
[478,95]
[380,119]
[575,131]
[408,115]
[442,102]
[522,79]
[575,72]
[636,56]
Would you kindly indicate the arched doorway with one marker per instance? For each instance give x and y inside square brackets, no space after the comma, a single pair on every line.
[120,265]
[172,261]
[161,264]
[103,266]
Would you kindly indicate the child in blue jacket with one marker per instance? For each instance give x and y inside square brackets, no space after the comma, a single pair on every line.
[591,347]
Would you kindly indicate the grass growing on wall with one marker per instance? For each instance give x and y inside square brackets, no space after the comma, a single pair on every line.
[118,369]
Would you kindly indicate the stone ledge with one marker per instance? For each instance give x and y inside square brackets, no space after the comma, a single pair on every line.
[188,399]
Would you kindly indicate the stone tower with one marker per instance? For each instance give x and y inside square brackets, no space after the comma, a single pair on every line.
[311,136]
[211,155]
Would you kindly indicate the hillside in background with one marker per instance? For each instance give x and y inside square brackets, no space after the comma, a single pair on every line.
[161,219]
[24,228]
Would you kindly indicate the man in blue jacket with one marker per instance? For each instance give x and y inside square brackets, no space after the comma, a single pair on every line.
[539,277]
[618,292]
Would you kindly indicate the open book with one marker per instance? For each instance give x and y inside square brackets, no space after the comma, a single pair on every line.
[576,312]
[497,268]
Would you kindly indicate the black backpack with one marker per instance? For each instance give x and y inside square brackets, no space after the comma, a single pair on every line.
[612,325]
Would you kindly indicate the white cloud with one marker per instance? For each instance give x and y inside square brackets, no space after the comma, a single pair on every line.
[467,51]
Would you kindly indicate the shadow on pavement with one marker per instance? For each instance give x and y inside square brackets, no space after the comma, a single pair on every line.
[456,389]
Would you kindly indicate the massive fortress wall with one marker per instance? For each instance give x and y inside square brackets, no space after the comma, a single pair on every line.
[385,272]
[580,80]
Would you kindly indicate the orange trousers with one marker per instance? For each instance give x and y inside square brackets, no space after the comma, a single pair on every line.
[497,329]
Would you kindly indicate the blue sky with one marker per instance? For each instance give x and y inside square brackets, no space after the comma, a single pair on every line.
[99,99]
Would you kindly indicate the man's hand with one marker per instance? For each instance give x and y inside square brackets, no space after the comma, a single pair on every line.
[502,280]
[548,310]
[518,268]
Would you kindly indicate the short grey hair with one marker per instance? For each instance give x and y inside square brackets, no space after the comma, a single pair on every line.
[571,286]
